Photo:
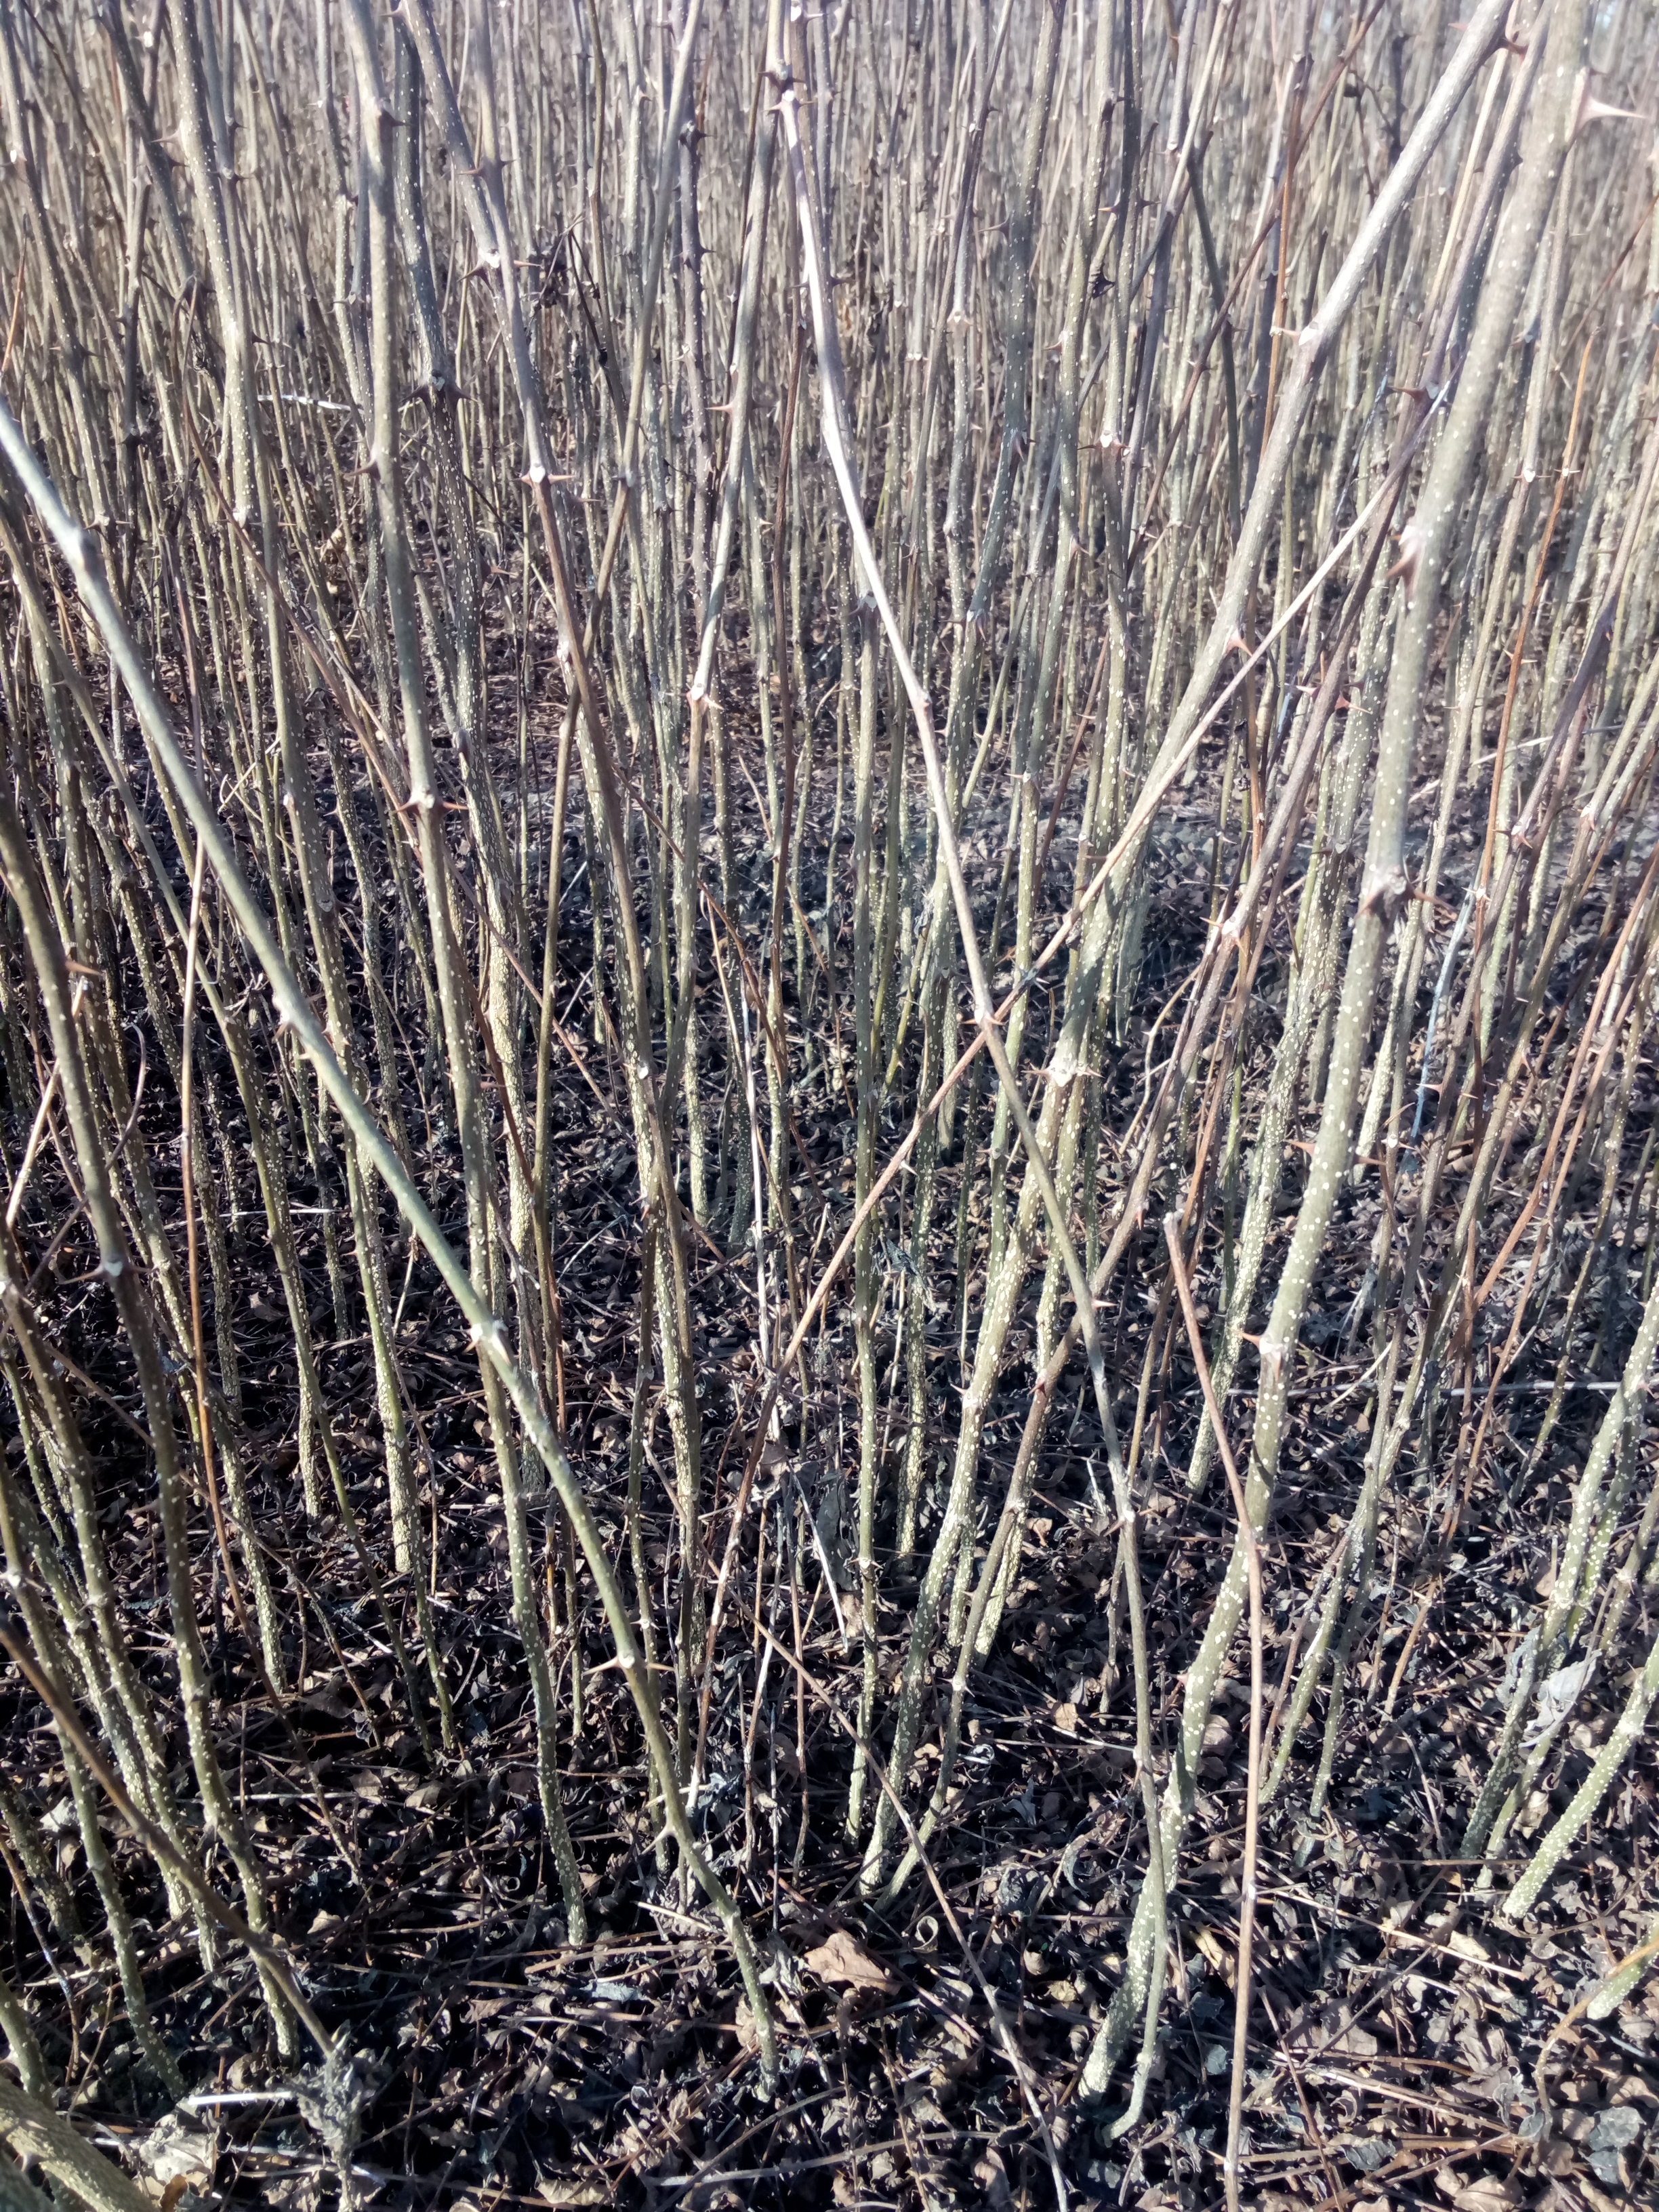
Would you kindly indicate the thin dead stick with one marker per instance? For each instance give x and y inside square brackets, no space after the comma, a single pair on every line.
[187,1169]
[1253,1785]
[37,1131]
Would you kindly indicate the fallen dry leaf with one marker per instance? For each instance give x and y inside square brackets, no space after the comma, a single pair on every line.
[173,2158]
[1215,1951]
[1487,2192]
[992,2178]
[844,1961]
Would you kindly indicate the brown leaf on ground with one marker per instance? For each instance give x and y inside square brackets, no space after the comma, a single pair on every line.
[844,1961]
[1487,2192]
